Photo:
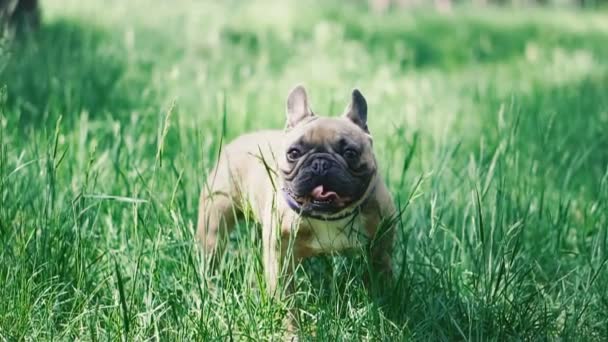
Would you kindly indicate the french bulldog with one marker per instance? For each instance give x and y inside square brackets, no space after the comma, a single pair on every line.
[314,187]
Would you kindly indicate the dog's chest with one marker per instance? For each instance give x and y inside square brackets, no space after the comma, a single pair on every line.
[333,236]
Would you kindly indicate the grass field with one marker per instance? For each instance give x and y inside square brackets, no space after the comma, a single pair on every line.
[490,127]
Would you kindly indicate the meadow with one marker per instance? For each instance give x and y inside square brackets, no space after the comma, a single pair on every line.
[490,126]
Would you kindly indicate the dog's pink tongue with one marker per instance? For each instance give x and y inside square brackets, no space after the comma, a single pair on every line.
[319,193]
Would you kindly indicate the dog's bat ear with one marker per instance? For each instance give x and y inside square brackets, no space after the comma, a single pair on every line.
[297,106]
[356,111]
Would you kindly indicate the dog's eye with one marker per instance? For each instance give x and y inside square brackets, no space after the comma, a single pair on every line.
[350,154]
[293,154]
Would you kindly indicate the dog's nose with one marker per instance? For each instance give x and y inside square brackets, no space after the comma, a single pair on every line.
[320,166]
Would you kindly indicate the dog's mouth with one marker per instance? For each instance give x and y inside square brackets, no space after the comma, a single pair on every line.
[321,195]
[323,199]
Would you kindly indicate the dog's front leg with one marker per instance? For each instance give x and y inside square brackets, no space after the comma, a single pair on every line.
[272,255]
[279,266]
[379,252]
[380,257]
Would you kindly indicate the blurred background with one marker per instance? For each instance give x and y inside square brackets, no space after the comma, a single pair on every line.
[383,5]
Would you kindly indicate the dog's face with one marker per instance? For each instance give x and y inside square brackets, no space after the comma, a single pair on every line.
[328,164]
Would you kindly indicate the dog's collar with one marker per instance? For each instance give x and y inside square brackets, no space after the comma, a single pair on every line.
[297,207]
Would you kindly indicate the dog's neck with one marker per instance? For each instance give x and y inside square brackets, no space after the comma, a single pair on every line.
[297,207]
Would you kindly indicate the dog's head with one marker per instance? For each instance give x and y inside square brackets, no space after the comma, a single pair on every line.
[328,165]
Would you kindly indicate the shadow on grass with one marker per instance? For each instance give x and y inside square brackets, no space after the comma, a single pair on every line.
[558,134]
[63,69]
[486,267]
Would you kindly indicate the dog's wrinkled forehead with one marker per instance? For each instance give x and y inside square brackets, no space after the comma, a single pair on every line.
[326,131]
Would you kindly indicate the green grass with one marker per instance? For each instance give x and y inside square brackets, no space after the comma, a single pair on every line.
[112,114]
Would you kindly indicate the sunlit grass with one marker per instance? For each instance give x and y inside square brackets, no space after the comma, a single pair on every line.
[489,127]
